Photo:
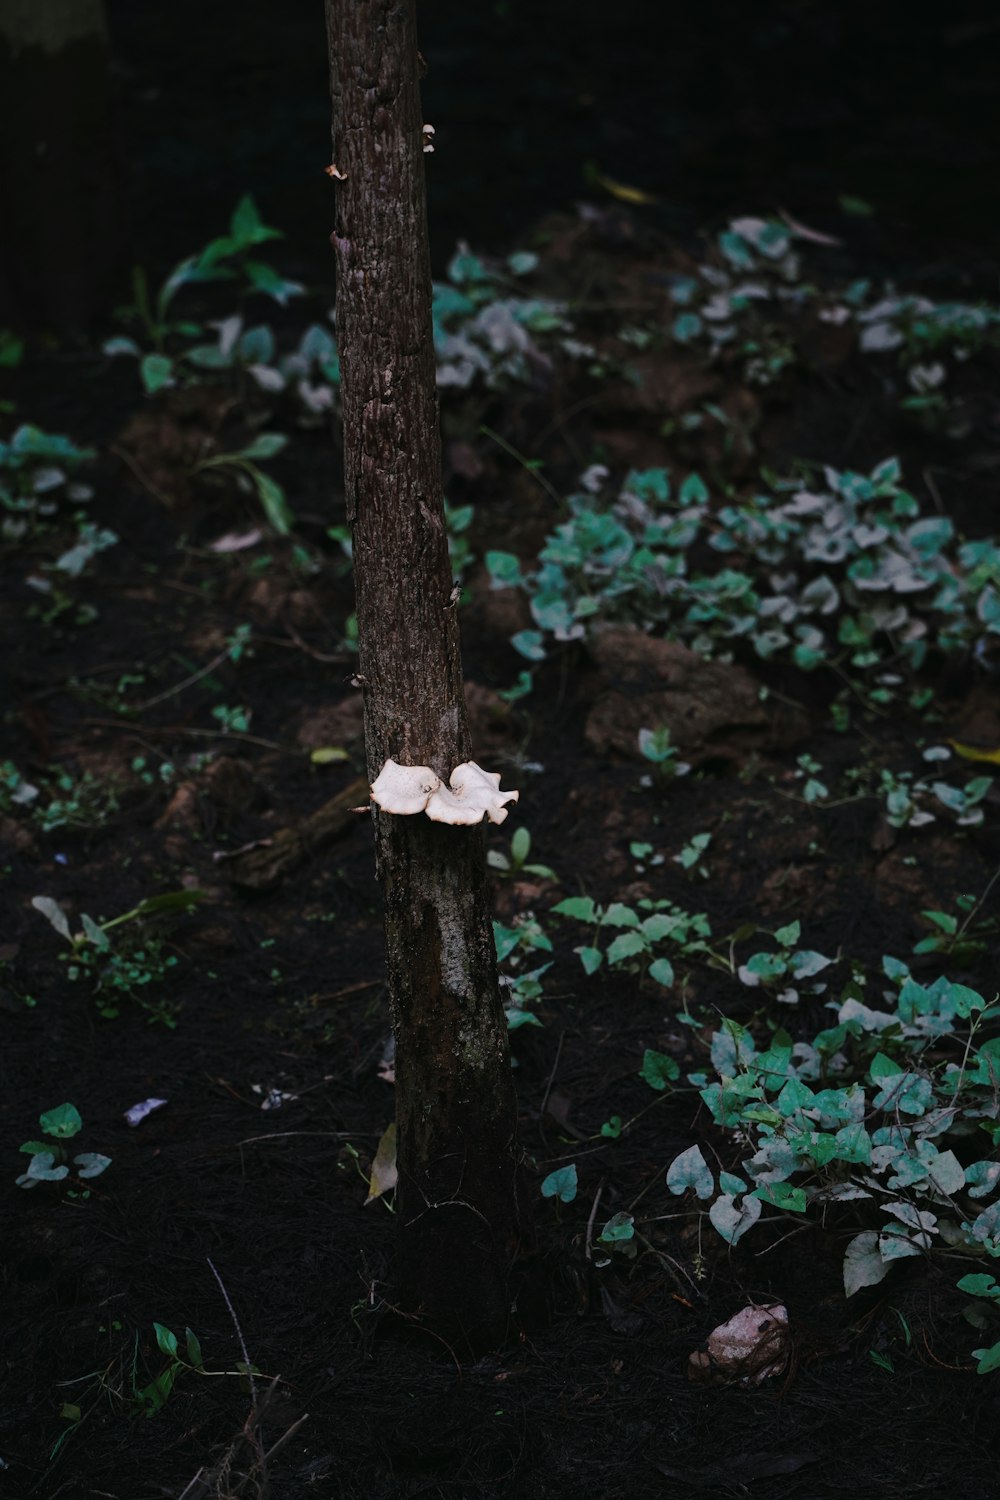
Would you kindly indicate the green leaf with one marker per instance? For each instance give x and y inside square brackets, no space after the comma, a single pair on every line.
[765,966]
[529,643]
[561,1184]
[53,912]
[246,226]
[980,1285]
[91,1163]
[42,1168]
[518,1017]
[981,1176]
[806,963]
[693,491]
[612,1129]
[619,915]
[591,958]
[626,945]
[153,1397]
[166,1340]
[504,569]
[794,1096]
[690,1170]
[193,1348]
[662,971]
[63,1122]
[883,1067]
[272,498]
[157,371]
[11,349]
[169,901]
[265,278]
[658,1069]
[781,1195]
[580,908]
[853,1144]
[620,1227]
[94,933]
[264,445]
[863,1264]
[989,1359]
[520,845]
[505,939]
[789,936]
[732,1222]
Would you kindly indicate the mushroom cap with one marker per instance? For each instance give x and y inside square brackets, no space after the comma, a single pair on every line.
[403,789]
[473,794]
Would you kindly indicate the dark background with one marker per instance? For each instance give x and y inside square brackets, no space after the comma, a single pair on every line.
[717,108]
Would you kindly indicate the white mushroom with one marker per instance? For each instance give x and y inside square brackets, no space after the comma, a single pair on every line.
[473,794]
[404,789]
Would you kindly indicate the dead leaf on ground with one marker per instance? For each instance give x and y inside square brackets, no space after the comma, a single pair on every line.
[384,1175]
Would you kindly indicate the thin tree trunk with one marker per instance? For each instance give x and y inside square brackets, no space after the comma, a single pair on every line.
[455,1104]
[60,255]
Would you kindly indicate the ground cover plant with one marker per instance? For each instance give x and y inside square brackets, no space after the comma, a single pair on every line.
[744,913]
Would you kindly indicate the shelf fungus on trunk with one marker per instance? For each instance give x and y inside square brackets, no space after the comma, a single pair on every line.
[471,795]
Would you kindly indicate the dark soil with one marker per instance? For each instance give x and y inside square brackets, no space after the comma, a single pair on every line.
[246,1223]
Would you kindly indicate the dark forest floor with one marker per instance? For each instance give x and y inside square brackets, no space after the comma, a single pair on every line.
[168,747]
[281,990]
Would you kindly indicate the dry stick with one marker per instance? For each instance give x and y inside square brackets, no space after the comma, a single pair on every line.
[548,1086]
[283,1440]
[143,478]
[198,734]
[593,1216]
[323,656]
[140,708]
[189,1489]
[254,1443]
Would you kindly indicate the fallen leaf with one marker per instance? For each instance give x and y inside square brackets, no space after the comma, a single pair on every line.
[328,755]
[138,1112]
[803,232]
[976,752]
[623,191]
[235,541]
[384,1175]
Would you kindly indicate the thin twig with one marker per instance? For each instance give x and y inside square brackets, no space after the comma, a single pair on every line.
[199,734]
[322,656]
[143,479]
[283,1440]
[139,708]
[593,1215]
[188,1492]
[239,1331]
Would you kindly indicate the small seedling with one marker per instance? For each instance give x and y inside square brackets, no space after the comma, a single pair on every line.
[125,969]
[243,462]
[655,746]
[514,861]
[691,855]
[50,1159]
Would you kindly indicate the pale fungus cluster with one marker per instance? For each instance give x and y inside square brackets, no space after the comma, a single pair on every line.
[471,795]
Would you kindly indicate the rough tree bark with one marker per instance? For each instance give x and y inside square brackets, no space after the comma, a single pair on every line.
[457,1153]
[60,259]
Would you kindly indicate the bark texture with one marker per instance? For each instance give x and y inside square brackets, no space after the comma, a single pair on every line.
[60,261]
[455,1103]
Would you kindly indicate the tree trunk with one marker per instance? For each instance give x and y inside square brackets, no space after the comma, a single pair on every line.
[60,257]
[457,1154]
